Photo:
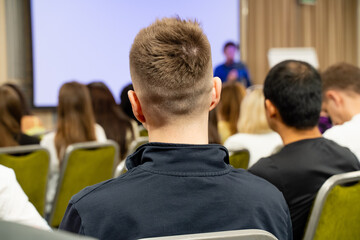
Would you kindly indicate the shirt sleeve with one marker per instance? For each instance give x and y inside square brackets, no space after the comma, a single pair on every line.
[15,205]
[71,221]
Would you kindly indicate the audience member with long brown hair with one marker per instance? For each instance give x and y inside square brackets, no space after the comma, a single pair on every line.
[75,123]
[116,124]
[228,109]
[11,113]
[30,124]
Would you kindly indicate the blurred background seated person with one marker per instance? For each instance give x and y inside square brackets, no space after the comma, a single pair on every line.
[14,204]
[231,71]
[293,97]
[11,113]
[341,101]
[30,124]
[116,124]
[214,137]
[75,123]
[254,134]
[228,109]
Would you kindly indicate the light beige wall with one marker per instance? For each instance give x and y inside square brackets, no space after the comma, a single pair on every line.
[330,26]
[3,56]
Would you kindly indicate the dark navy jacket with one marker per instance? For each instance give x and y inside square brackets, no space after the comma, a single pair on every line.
[173,189]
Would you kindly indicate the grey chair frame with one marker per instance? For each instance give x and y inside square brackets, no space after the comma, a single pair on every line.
[29,149]
[83,145]
[321,197]
[248,234]
[12,231]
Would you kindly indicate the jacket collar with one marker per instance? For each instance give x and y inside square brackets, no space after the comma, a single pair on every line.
[180,159]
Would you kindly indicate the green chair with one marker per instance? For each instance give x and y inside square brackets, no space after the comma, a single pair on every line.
[84,164]
[121,168]
[336,209]
[31,166]
[240,158]
[245,234]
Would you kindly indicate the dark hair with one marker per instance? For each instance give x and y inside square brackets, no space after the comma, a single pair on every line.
[213,131]
[125,104]
[294,87]
[116,125]
[230,43]
[24,105]
[342,76]
[10,116]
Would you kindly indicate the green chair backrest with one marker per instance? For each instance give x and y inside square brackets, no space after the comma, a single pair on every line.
[336,210]
[240,159]
[31,166]
[84,164]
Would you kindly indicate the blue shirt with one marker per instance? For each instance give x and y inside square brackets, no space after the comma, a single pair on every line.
[173,189]
[223,70]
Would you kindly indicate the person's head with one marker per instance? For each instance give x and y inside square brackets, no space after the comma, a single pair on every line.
[10,116]
[341,83]
[75,116]
[101,98]
[171,71]
[24,105]
[228,110]
[107,113]
[252,113]
[292,92]
[125,104]
[230,49]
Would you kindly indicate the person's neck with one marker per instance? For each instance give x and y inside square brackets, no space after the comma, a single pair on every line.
[229,61]
[194,131]
[290,134]
[352,107]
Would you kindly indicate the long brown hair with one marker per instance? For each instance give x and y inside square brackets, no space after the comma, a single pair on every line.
[75,117]
[232,94]
[10,117]
[108,114]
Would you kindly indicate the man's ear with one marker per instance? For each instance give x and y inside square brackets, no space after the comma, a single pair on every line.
[270,108]
[335,97]
[215,93]
[136,106]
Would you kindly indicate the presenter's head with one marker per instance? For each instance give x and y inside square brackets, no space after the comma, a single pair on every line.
[230,49]
[171,70]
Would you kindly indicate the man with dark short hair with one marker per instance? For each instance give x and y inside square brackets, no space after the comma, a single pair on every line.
[292,92]
[230,70]
[176,184]
[341,101]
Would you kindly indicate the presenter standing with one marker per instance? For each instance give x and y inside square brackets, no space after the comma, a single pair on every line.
[230,70]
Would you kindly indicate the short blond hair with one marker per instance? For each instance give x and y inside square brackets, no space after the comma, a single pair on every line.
[170,65]
[252,113]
